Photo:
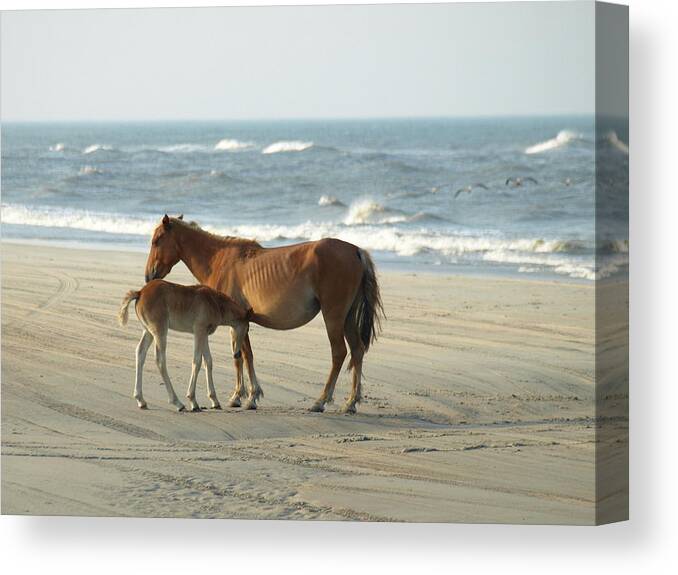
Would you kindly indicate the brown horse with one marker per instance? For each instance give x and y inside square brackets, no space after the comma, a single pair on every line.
[285,287]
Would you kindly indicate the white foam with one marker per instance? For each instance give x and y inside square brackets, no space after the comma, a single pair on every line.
[617,143]
[182,148]
[329,201]
[564,137]
[528,269]
[89,170]
[76,219]
[567,257]
[96,148]
[527,262]
[367,211]
[228,145]
[60,147]
[287,146]
[615,246]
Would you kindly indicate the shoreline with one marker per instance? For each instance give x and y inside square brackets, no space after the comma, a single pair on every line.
[478,406]
[453,270]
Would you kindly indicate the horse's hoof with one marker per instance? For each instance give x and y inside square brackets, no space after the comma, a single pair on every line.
[235,402]
[217,406]
[181,408]
[250,404]
[349,408]
[317,408]
[195,409]
[143,406]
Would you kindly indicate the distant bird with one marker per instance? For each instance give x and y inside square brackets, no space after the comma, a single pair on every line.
[517,182]
[468,189]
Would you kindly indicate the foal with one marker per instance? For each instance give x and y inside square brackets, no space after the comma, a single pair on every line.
[161,306]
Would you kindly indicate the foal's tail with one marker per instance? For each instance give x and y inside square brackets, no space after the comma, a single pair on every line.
[367,310]
[123,314]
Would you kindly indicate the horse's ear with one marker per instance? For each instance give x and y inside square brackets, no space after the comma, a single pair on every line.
[181,217]
[166,221]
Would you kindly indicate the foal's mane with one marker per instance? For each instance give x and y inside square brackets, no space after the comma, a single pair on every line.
[247,246]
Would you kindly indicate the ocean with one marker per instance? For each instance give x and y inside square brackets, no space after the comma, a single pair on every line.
[420,194]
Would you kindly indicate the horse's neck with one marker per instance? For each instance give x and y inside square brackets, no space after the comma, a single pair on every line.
[199,252]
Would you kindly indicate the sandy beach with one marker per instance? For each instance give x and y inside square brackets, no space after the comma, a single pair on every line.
[478,406]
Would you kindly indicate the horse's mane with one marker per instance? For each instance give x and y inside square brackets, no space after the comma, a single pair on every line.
[247,246]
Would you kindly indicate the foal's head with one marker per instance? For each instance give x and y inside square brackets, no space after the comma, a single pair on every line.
[164,252]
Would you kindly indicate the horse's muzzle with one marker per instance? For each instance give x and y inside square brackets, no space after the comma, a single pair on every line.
[151,276]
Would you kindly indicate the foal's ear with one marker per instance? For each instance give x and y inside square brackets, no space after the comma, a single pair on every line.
[166,221]
[181,217]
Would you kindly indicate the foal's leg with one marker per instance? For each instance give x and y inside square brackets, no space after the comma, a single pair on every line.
[142,349]
[334,323]
[239,391]
[161,360]
[357,353]
[207,359]
[198,345]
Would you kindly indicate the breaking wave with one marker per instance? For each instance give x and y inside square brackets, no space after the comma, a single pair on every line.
[617,143]
[89,171]
[225,145]
[564,137]
[76,219]
[287,146]
[325,201]
[569,257]
[60,147]
[97,148]
[229,145]
[367,211]
[182,149]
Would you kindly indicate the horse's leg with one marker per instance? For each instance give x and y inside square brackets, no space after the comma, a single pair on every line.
[161,360]
[198,344]
[357,353]
[142,349]
[334,324]
[255,391]
[234,400]
[207,358]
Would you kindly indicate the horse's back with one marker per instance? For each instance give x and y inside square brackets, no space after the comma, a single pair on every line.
[167,305]
[335,251]
[306,254]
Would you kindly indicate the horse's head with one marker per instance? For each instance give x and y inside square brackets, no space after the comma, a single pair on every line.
[164,252]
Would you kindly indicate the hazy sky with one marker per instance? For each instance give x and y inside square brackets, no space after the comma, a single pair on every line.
[283,62]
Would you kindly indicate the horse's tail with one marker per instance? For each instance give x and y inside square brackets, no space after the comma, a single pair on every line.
[367,310]
[123,314]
